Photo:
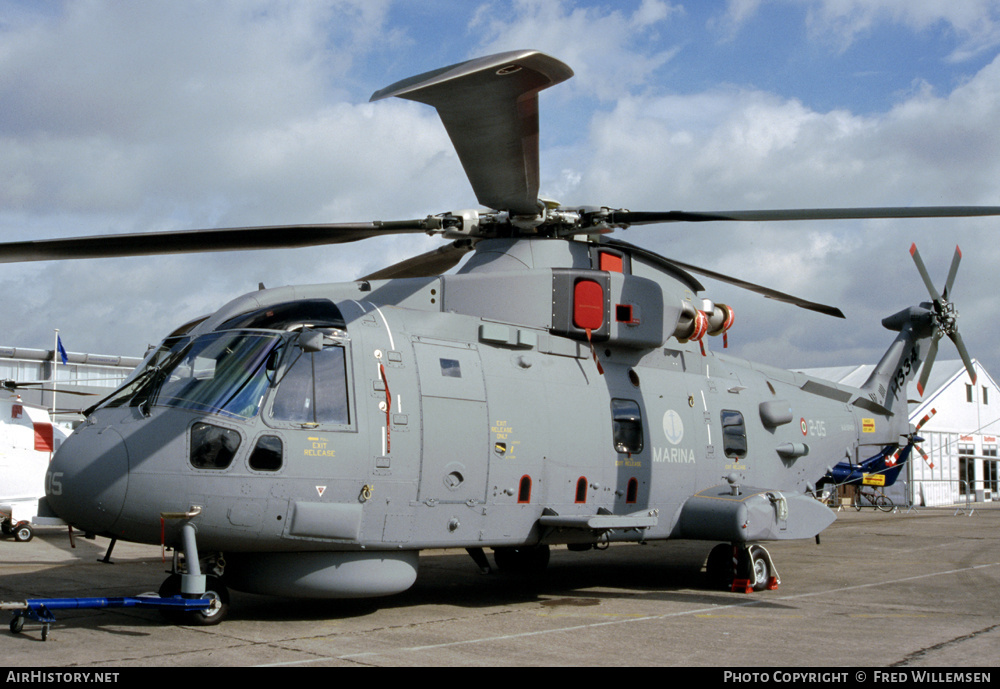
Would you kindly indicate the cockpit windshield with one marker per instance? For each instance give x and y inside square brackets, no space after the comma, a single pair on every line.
[229,369]
[224,373]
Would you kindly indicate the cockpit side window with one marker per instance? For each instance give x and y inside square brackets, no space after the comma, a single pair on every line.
[313,391]
[213,447]
[267,454]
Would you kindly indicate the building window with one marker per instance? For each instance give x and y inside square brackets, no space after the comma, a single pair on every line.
[968,393]
[966,469]
[986,396]
[990,467]
[990,470]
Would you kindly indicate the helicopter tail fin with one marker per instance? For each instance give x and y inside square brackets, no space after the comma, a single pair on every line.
[881,470]
[886,386]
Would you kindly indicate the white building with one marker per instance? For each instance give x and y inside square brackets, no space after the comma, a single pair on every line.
[960,438]
[72,386]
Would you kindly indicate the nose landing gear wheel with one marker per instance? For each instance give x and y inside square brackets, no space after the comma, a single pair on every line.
[214,589]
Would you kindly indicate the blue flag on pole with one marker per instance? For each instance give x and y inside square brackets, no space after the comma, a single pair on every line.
[62,350]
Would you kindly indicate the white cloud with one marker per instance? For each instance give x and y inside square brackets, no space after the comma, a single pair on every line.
[731,148]
[974,23]
[609,50]
[168,115]
[142,117]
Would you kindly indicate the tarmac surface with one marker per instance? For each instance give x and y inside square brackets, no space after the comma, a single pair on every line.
[907,589]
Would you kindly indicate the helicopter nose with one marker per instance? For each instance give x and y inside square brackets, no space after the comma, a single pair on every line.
[88,478]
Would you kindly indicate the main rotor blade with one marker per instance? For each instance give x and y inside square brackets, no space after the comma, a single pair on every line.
[649,217]
[490,108]
[765,291]
[656,259]
[191,241]
[429,264]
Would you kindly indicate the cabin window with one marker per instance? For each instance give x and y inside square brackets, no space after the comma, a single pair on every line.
[451,368]
[314,390]
[213,447]
[626,420]
[734,434]
[267,454]
[581,490]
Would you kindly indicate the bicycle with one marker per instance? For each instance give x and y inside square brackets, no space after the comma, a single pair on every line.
[866,496]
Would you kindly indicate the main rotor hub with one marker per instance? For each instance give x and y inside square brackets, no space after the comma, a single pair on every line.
[552,220]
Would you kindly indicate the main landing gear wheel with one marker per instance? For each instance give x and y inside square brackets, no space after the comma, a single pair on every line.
[757,567]
[531,559]
[752,563]
[214,589]
[719,567]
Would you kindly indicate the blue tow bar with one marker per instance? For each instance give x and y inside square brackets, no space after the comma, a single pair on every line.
[40,609]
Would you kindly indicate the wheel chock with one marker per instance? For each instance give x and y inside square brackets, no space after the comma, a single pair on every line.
[772,584]
[742,586]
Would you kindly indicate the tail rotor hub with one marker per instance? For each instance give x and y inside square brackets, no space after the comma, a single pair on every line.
[945,318]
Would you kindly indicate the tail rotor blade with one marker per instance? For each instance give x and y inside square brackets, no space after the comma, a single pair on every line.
[925,372]
[952,272]
[923,273]
[956,337]
[924,455]
[927,417]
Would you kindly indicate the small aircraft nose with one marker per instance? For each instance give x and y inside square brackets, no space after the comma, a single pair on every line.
[88,478]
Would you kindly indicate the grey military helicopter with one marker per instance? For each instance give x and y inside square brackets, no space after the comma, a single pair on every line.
[310,441]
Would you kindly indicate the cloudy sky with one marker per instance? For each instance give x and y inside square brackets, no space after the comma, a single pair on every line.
[161,115]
